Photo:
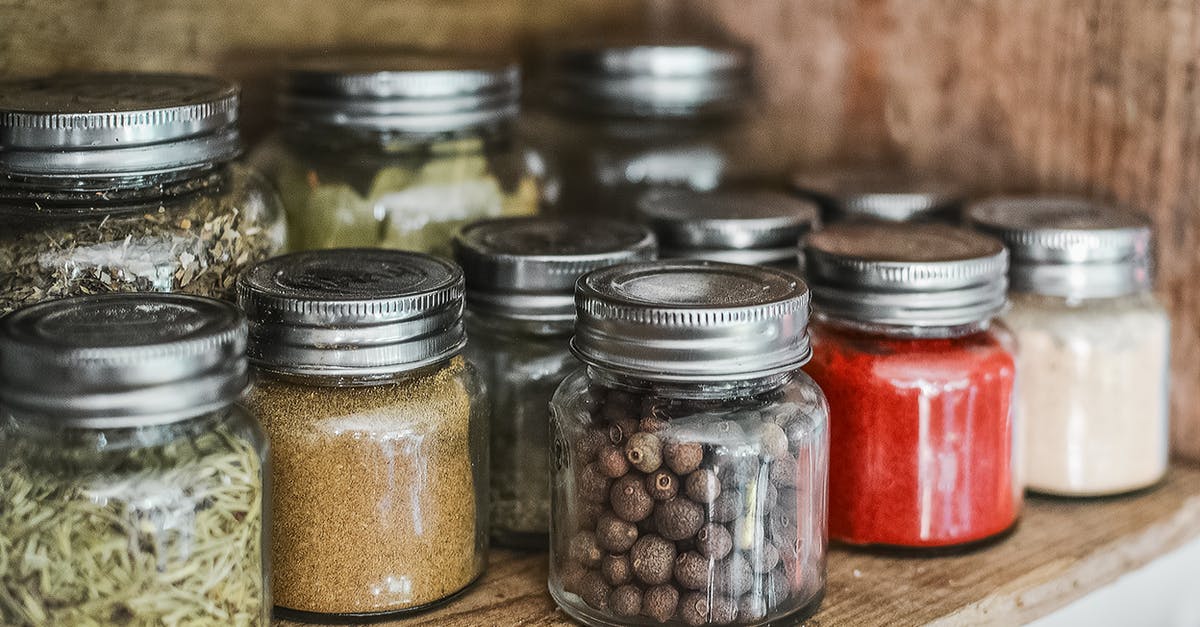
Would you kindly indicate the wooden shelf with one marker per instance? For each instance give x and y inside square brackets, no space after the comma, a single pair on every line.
[1061,550]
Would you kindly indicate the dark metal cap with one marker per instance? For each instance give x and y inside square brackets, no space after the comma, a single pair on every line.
[403,92]
[118,124]
[352,312]
[692,321]
[920,275]
[526,268]
[1069,247]
[880,194]
[122,360]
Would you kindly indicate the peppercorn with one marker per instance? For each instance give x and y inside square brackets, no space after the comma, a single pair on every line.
[616,569]
[784,471]
[659,602]
[772,439]
[693,571]
[751,608]
[644,451]
[722,610]
[678,518]
[629,498]
[663,485]
[733,575]
[683,457]
[626,601]
[572,577]
[595,591]
[584,549]
[703,486]
[714,541]
[589,444]
[593,485]
[694,608]
[765,559]
[611,461]
[726,507]
[615,535]
[653,559]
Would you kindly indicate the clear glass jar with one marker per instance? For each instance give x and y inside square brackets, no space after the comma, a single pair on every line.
[89,210]
[397,152]
[379,437]
[888,193]
[688,495]
[130,497]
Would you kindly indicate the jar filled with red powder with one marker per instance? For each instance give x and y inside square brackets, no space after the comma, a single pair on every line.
[920,380]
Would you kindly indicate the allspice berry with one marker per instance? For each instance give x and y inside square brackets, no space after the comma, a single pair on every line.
[693,571]
[778,586]
[615,535]
[751,608]
[652,424]
[653,559]
[622,429]
[571,575]
[585,550]
[587,513]
[733,575]
[629,498]
[694,608]
[611,461]
[593,485]
[616,569]
[589,444]
[715,541]
[595,591]
[726,507]
[784,471]
[722,610]
[663,485]
[660,602]
[644,451]
[772,439]
[678,518]
[703,486]
[764,559]
[626,601]
[683,457]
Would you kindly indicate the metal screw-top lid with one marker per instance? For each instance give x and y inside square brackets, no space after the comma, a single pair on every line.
[918,275]
[421,93]
[122,360]
[681,79]
[526,268]
[735,226]
[1069,247]
[120,124]
[352,312]
[692,321]
[880,194]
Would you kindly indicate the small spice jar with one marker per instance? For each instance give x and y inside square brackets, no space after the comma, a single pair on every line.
[397,151]
[132,484]
[920,378]
[886,194]
[618,120]
[752,227]
[521,275]
[377,427]
[690,456]
[126,183]
[1094,343]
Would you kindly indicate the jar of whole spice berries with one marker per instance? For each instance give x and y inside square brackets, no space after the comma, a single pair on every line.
[877,193]
[1094,343]
[397,151]
[753,227]
[924,446]
[132,484]
[126,183]
[378,431]
[690,456]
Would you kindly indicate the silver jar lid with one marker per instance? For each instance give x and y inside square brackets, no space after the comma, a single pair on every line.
[736,226]
[357,312]
[116,124]
[680,79]
[692,321]
[893,195]
[919,275]
[1069,247]
[122,360]
[526,268]
[419,93]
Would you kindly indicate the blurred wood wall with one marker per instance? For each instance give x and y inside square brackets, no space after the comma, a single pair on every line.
[1094,96]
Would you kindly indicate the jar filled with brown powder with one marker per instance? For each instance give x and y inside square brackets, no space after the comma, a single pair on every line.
[378,432]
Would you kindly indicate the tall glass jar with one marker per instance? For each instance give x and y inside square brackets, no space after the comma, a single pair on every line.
[132,485]
[378,428]
[920,377]
[397,151]
[881,193]
[690,456]
[622,119]
[521,275]
[1094,340]
[126,183]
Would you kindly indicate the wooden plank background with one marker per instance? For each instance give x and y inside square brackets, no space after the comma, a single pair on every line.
[1094,96]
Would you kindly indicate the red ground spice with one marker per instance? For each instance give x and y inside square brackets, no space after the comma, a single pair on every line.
[922,446]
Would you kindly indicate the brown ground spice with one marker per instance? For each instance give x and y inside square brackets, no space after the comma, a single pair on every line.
[374,502]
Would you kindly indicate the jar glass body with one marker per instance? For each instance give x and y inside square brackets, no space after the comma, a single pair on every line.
[190,233]
[924,440]
[718,513]
[346,187]
[1093,393]
[379,489]
[154,525]
[522,364]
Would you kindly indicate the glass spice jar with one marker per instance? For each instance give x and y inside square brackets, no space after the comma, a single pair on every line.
[617,120]
[132,485]
[690,456]
[378,430]
[924,445]
[520,275]
[126,183]
[397,151]
[1094,341]
[877,193]
[748,226]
